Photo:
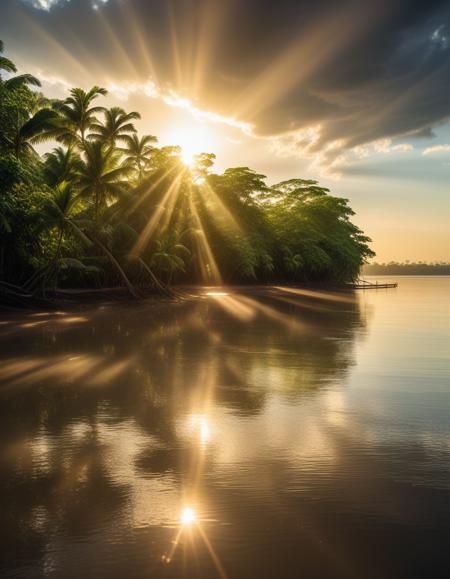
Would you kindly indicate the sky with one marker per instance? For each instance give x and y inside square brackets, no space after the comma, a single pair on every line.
[352,93]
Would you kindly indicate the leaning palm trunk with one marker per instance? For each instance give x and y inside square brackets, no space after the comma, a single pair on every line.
[36,282]
[116,264]
[165,290]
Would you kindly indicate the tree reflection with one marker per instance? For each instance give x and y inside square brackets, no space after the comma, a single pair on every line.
[93,419]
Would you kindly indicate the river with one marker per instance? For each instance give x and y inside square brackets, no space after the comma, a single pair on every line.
[266,433]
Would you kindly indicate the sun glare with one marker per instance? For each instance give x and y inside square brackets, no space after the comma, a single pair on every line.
[188,156]
[188,516]
[193,140]
[205,432]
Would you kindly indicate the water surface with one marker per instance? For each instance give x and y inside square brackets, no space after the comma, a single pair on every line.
[307,432]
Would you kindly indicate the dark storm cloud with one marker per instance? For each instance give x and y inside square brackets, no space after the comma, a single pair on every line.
[362,70]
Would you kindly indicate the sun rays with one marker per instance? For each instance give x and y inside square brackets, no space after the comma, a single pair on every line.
[179,195]
[163,210]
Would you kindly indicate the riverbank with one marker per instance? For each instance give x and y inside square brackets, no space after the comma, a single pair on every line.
[80,298]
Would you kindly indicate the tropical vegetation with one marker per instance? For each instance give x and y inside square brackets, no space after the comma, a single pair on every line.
[107,207]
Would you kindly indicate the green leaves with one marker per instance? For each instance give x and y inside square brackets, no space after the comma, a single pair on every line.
[107,195]
[6,213]
[101,176]
[316,240]
[117,126]
[67,263]
[21,80]
[61,165]
[15,81]
[7,65]
[77,115]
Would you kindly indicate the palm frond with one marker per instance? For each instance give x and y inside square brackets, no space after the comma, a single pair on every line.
[6,64]
[38,123]
[21,80]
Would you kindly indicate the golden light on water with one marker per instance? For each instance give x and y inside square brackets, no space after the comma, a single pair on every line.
[188,516]
[205,432]
[199,427]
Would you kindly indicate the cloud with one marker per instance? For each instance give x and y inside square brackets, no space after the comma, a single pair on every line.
[174,100]
[436,149]
[47,5]
[349,73]
[123,91]
[44,4]
[302,144]
[402,147]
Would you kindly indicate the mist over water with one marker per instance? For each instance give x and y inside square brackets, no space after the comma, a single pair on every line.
[255,433]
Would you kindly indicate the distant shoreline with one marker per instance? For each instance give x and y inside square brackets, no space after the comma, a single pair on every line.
[363,275]
[423,269]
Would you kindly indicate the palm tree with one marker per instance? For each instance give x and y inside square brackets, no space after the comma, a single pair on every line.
[15,81]
[60,165]
[58,213]
[6,213]
[77,114]
[5,63]
[117,126]
[138,151]
[59,210]
[29,132]
[170,254]
[20,80]
[101,175]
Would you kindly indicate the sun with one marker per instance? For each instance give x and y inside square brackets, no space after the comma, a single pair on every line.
[188,516]
[193,140]
[188,156]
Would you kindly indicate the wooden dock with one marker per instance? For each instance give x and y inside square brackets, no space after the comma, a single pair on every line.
[363,284]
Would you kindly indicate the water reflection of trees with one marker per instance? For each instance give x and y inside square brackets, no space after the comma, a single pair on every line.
[145,363]
[144,367]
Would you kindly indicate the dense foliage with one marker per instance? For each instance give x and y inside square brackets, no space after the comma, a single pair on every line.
[108,207]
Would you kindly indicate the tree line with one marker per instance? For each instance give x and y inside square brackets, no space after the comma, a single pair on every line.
[407,268]
[109,207]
